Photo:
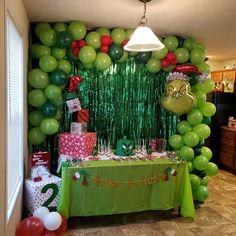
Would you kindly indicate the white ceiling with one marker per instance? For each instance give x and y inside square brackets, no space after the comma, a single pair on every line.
[212,22]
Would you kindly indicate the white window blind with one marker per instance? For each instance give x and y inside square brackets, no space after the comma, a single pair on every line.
[15,92]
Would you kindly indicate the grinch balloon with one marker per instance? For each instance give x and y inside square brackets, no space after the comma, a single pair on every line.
[178,98]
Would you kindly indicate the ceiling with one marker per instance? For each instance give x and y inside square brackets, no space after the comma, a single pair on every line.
[212,22]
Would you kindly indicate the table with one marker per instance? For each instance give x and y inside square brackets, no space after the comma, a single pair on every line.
[107,187]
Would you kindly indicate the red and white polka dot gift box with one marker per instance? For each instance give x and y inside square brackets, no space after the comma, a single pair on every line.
[77,145]
[42,193]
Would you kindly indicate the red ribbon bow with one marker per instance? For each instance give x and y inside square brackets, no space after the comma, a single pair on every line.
[73,84]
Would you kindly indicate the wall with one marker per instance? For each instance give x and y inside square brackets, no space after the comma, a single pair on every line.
[220,65]
[17,11]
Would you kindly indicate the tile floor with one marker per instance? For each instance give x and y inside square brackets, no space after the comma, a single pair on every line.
[217,216]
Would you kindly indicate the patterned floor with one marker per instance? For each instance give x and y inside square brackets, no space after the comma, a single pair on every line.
[217,216]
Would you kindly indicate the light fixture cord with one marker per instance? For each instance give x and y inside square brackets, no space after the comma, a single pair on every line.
[143,19]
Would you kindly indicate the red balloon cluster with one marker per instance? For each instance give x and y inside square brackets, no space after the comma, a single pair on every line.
[76,46]
[33,226]
[106,41]
[170,59]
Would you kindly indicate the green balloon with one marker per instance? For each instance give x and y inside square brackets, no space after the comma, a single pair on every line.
[35,117]
[58,53]
[190,167]
[49,126]
[35,136]
[160,54]
[37,51]
[40,26]
[206,120]
[36,98]
[206,86]
[49,110]
[77,29]
[169,68]
[208,109]
[48,37]
[176,141]
[171,42]
[93,39]
[197,56]
[60,26]
[204,181]
[202,193]
[194,117]
[124,57]
[132,54]
[201,46]
[203,131]
[89,65]
[103,31]
[153,65]
[191,139]
[58,115]
[187,153]
[201,97]
[38,78]
[115,52]
[48,63]
[58,77]
[212,169]
[87,54]
[52,91]
[33,50]
[189,44]
[58,102]
[200,162]
[205,151]
[182,55]
[204,67]
[183,127]
[129,32]
[64,65]
[103,61]
[195,181]
[64,40]
[118,35]
[143,57]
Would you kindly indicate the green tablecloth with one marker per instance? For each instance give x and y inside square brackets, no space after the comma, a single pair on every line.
[111,187]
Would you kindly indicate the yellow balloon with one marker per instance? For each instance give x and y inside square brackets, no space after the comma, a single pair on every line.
[178,98]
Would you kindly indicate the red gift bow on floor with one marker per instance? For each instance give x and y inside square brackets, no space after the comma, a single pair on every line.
[73,84]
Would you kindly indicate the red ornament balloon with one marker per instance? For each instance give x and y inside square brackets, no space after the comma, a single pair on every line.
[75,51]
[106,40]
[170,56]
[74,44]
[31,226]
[165,63]
[63,226]
[104,48]
[50,233]
[173,62]
[125,42]
[81,43]
[187,68]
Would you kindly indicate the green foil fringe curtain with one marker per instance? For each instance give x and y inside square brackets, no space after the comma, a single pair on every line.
[124,100]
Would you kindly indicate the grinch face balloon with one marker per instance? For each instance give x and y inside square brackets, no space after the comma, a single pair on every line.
[124,147]
[178,98]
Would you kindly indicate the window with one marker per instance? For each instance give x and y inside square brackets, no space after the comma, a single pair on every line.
[14,162]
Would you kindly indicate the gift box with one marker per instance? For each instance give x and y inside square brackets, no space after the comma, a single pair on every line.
[81,116]
[73,105]
[42,193]
[78,128]
[77,145]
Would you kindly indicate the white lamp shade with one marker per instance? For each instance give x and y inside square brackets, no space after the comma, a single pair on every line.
[143,40]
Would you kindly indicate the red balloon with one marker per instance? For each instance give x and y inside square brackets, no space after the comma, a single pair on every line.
[104,48]
[81,43]
[106,40]
[49,233]
[165,63]
[187,68]
[31,226]
[63,226]
[75,51]
[170,56]
[74,44]
[125,42]
[173,62]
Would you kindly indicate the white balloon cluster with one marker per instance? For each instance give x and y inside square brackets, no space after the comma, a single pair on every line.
[51,220]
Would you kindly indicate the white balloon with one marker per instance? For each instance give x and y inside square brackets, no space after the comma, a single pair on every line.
[41,212]
[52,221]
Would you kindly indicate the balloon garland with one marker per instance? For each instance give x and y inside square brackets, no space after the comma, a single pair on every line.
[67,50]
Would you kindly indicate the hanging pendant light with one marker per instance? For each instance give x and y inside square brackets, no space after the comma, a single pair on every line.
[143,39]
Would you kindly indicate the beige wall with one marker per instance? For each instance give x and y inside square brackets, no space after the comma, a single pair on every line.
[18,13]
[221,65]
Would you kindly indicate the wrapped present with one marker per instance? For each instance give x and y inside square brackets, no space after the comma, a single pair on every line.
[42,193]
[78,128]
[73,105]
[40,164]
[77,145]
[160,144]
[153,144]
[81,116]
